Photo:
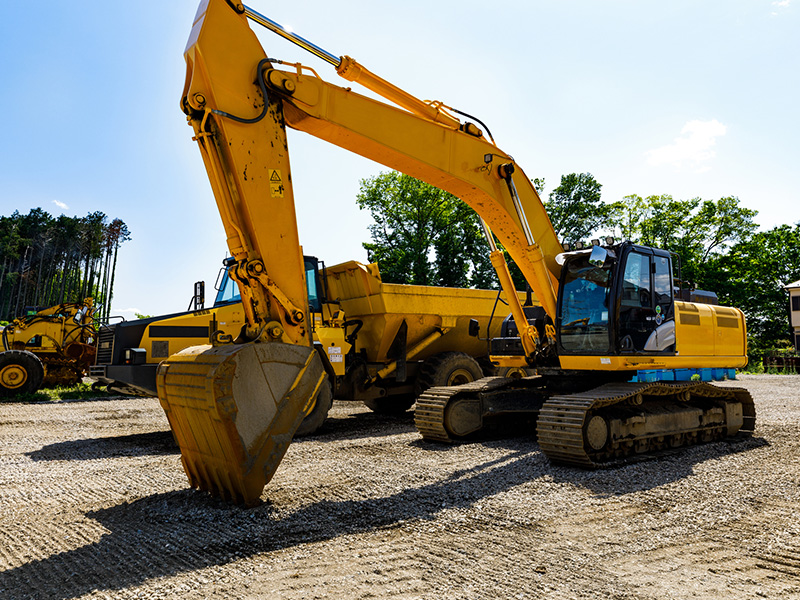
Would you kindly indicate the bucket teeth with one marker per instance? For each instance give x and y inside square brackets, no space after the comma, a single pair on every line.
[234,409]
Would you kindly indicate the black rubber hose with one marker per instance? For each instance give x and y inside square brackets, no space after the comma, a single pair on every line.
[263,87]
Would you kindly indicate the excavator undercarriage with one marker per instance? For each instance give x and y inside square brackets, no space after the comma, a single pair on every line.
[605,425]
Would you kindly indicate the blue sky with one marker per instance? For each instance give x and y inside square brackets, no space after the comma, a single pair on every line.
[690,98]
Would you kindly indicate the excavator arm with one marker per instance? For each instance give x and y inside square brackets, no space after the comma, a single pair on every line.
[234,406]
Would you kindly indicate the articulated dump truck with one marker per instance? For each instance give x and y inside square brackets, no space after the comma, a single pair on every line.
[380,343]
[606,313]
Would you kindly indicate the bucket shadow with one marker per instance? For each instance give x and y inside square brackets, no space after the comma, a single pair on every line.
[139,444]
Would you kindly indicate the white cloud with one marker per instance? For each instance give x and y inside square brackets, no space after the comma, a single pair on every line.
[60,204]
[693,148]
[779,4]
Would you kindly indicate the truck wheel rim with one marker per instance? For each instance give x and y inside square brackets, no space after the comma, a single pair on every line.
[516,373]
[13,376]
[460,376]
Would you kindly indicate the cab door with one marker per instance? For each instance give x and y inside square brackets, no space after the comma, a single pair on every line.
[645,315]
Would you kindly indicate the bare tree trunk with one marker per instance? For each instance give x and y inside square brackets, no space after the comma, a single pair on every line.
[4,294]
[3,275]
[64,276]
[113,272]
[37,298]
[23,282]
[104,285]
[50,281]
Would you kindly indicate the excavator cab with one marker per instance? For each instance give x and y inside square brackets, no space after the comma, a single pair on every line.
[616,301]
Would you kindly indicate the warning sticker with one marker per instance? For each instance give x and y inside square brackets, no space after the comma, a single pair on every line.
[335,354]
[275,183]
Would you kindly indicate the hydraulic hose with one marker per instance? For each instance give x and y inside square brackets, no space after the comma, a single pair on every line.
[263,88]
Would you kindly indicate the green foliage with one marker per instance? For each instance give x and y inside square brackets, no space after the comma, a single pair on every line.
[575,208]
[81,391]
[751,276]
[141,316]
[423,235]
[696,230]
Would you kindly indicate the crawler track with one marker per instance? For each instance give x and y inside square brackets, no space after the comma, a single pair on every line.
[429,415]
[564,420]
[609,423]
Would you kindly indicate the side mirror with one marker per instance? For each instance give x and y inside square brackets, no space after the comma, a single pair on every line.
[598,256]
[474,328]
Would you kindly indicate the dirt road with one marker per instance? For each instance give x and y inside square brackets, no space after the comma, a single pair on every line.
[94,504]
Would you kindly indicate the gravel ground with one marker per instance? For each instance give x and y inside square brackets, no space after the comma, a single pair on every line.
[94,504]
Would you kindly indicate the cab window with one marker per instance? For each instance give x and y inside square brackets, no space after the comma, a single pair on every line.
[584,307]
[314,301]
[228,291]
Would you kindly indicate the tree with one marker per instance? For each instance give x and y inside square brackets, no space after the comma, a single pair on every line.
[575,208]
[751,277]
[423,235]
[696,229]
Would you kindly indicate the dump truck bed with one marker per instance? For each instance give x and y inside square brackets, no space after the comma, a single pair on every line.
[384,306]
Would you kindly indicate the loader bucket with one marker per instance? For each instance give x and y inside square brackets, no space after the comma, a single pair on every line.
[233,410]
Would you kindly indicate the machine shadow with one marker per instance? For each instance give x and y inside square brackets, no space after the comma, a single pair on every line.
[204,531]
[653,471]
[139,444]
[362,425]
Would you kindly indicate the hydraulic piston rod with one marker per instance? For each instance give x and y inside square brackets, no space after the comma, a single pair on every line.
[292,37]
[351,70]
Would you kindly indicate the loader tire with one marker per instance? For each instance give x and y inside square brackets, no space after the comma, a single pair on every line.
[391,405]
[447,369]
[316,418]
[21,372]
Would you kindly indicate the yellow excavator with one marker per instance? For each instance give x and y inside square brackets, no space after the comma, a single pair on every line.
[610,317]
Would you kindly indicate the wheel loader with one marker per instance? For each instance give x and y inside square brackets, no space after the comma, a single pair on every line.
[608,312]
[53,346]
[381,344]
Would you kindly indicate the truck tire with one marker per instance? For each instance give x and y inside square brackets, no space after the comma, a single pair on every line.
[21,372]
[514,372]
[315,419]
[391,405]
[446,369]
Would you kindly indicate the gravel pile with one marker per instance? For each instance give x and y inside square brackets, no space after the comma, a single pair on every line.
[94,504]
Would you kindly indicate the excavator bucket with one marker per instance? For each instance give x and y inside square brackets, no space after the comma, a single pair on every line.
[234,409]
